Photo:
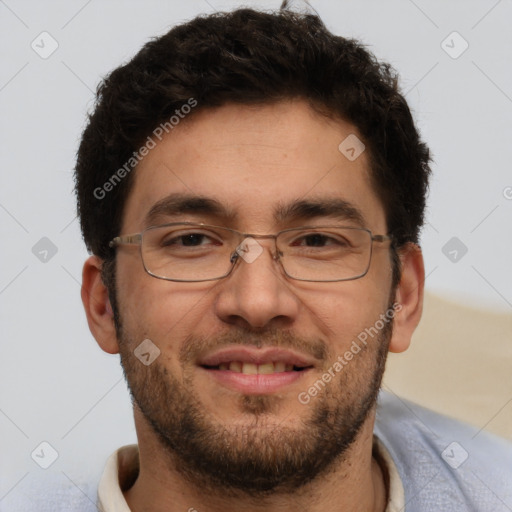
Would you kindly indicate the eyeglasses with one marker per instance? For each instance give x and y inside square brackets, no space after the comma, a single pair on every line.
[191,252]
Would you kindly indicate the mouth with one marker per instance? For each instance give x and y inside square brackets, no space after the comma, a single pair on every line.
[252,371]
[265,368]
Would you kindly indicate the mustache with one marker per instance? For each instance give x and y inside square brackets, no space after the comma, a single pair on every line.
[194,346]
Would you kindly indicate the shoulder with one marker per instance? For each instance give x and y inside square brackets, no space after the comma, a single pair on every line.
[444,464]
[53,492]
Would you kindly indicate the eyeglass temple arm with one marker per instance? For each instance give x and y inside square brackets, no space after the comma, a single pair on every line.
[381,238]
[127,239]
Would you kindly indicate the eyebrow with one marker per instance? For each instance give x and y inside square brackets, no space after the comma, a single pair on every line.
[178,204]
[300,210]
[339,209]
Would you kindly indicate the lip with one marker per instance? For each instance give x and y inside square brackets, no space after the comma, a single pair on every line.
[256,356]
[258,384]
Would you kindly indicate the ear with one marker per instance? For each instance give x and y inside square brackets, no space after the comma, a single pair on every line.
[409,296]
[98,310]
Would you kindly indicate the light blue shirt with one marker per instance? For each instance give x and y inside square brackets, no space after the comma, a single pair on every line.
[445,465]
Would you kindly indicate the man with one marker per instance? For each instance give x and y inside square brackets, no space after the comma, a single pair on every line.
[252,189]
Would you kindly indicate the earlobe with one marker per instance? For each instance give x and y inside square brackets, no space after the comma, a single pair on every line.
[409,295]
[98,309]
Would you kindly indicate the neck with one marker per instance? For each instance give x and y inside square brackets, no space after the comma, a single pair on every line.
[354,483]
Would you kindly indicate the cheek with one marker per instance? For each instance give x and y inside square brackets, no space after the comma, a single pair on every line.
[163,311]
[341,311]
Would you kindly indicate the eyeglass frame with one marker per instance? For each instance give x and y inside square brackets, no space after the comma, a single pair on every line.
[137,239]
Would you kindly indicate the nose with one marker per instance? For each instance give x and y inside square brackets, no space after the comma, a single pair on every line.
[257,294]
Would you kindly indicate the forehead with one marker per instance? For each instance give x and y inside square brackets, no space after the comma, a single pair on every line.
[256,161]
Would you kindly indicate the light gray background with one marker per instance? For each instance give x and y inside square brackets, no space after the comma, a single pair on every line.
[57,386]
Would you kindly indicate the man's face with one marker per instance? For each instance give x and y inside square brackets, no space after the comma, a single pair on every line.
[252,432]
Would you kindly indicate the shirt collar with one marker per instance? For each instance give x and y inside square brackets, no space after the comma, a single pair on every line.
[122,468]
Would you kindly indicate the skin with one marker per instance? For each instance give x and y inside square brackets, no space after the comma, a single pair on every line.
[252,159]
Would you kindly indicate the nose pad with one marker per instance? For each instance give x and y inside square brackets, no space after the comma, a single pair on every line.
[234,258]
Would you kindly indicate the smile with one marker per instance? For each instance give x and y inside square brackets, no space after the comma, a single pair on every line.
[265,368]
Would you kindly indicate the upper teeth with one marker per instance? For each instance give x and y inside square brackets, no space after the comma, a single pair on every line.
[253,369]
